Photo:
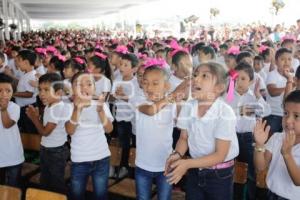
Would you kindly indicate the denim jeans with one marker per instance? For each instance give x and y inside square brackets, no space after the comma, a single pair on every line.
[275,122]
[12,175]
[53,163]
[144,180]
[246,155]
[273,196]
[212,184]
[98,170]
[125,137]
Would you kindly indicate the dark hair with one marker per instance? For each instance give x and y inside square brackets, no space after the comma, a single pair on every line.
[54,79]
[157,68]
[178,56]
[196,48]
[132,58]
[245,67]
[16,48]
[293,97]
[58,64]
[265,53]
[28,55]
[282,51]
[286,41]
[103,65]
[7,79]
[259,58]
[242,55]
[223,46]
[72,63]
[208,50]
[298,20]
[297,75]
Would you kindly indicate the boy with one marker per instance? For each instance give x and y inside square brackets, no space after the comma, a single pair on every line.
[25,94]
[11,149]
[281,154]
[54,151]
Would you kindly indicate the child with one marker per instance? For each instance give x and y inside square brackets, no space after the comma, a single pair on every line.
[206,53]
[280,155]
[11,150]
[54,150]
[124,88]
[155,117]
[39,67]
[25,94]
[290,44]
[99,66]
[247,105]
[276,83]
[116,59]
[56,65]
[12,62]
[258,66]
[89,149]
[207,126]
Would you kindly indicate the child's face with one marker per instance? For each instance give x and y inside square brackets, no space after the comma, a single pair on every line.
[160,55]
[243,82]
[139,75]
[126,68]
[14,54]
[204,84]
[258,65]
[115,59]
[184,67]
[21,63]
[6,92]
[90,66]
[284,62]
[248,60]
[204,57]
[47,94]
[155,86]
[291,118]
[84,87]
[68,72]
[230,62]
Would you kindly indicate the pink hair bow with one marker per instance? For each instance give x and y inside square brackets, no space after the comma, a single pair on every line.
[51,49]
[41,51]
[79,60]
[61,57]
[122,49]
[233,76]
[288,37]
[178,50]
[100,55]
[142,56]
[262,48]
[174,44]
[235,50]
[155,62]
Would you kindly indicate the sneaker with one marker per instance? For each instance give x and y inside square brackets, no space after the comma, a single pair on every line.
[123,172]
[112,173]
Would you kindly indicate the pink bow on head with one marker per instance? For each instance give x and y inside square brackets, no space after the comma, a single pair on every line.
[142,56]
[179,49]
[174,44]
[262,48]
[79,60]
[235,50]
[288,37]
[60,57]
[51,49]
[122,49]
[233,76]
[155,62]
[100,55]
[41,51]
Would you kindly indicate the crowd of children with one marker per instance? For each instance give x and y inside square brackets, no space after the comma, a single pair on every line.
[190,109]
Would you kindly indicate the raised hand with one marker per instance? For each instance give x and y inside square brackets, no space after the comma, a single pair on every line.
[101,100]
[32,112]
[288,143]
[261,132]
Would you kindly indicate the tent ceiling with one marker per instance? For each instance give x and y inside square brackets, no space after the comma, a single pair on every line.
[75,9]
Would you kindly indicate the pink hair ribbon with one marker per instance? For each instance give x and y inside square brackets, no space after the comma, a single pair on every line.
[100,55]
[155,62]
[230,94]
[122,49]
[51,49]
[61,57]
[235,50]
[79,60]
[142,56]
[262,48]
[41,51]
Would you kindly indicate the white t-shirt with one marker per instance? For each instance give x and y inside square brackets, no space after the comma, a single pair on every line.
[262,85]
[247,123]
[295,64]
[276,102]
[89,143]
[24,86]
[11,149]
[154,138]
[41,70]
[278,179]
[18,73]
[117,74]
[124,109]
[57,114]
[102,85]
[175,82]
[219,122]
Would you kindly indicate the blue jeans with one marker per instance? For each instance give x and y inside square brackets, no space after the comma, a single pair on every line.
[212,184]
[12,175]
[98,170]
[53,163]
[144,180]
[275,122]
[246,156]
[273,196]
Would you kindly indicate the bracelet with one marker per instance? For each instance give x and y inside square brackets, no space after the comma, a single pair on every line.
[176,152]
[170,99]
[260,149]
[73,123]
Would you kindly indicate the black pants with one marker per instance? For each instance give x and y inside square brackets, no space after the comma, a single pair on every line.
[126,139]
[24,123]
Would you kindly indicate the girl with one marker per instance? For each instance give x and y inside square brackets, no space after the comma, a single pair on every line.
[230,58]
[99,66]
[207,126]
[56,65]
[89,149]
[280,155]
[206,53]
[157,112]
[40,56]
